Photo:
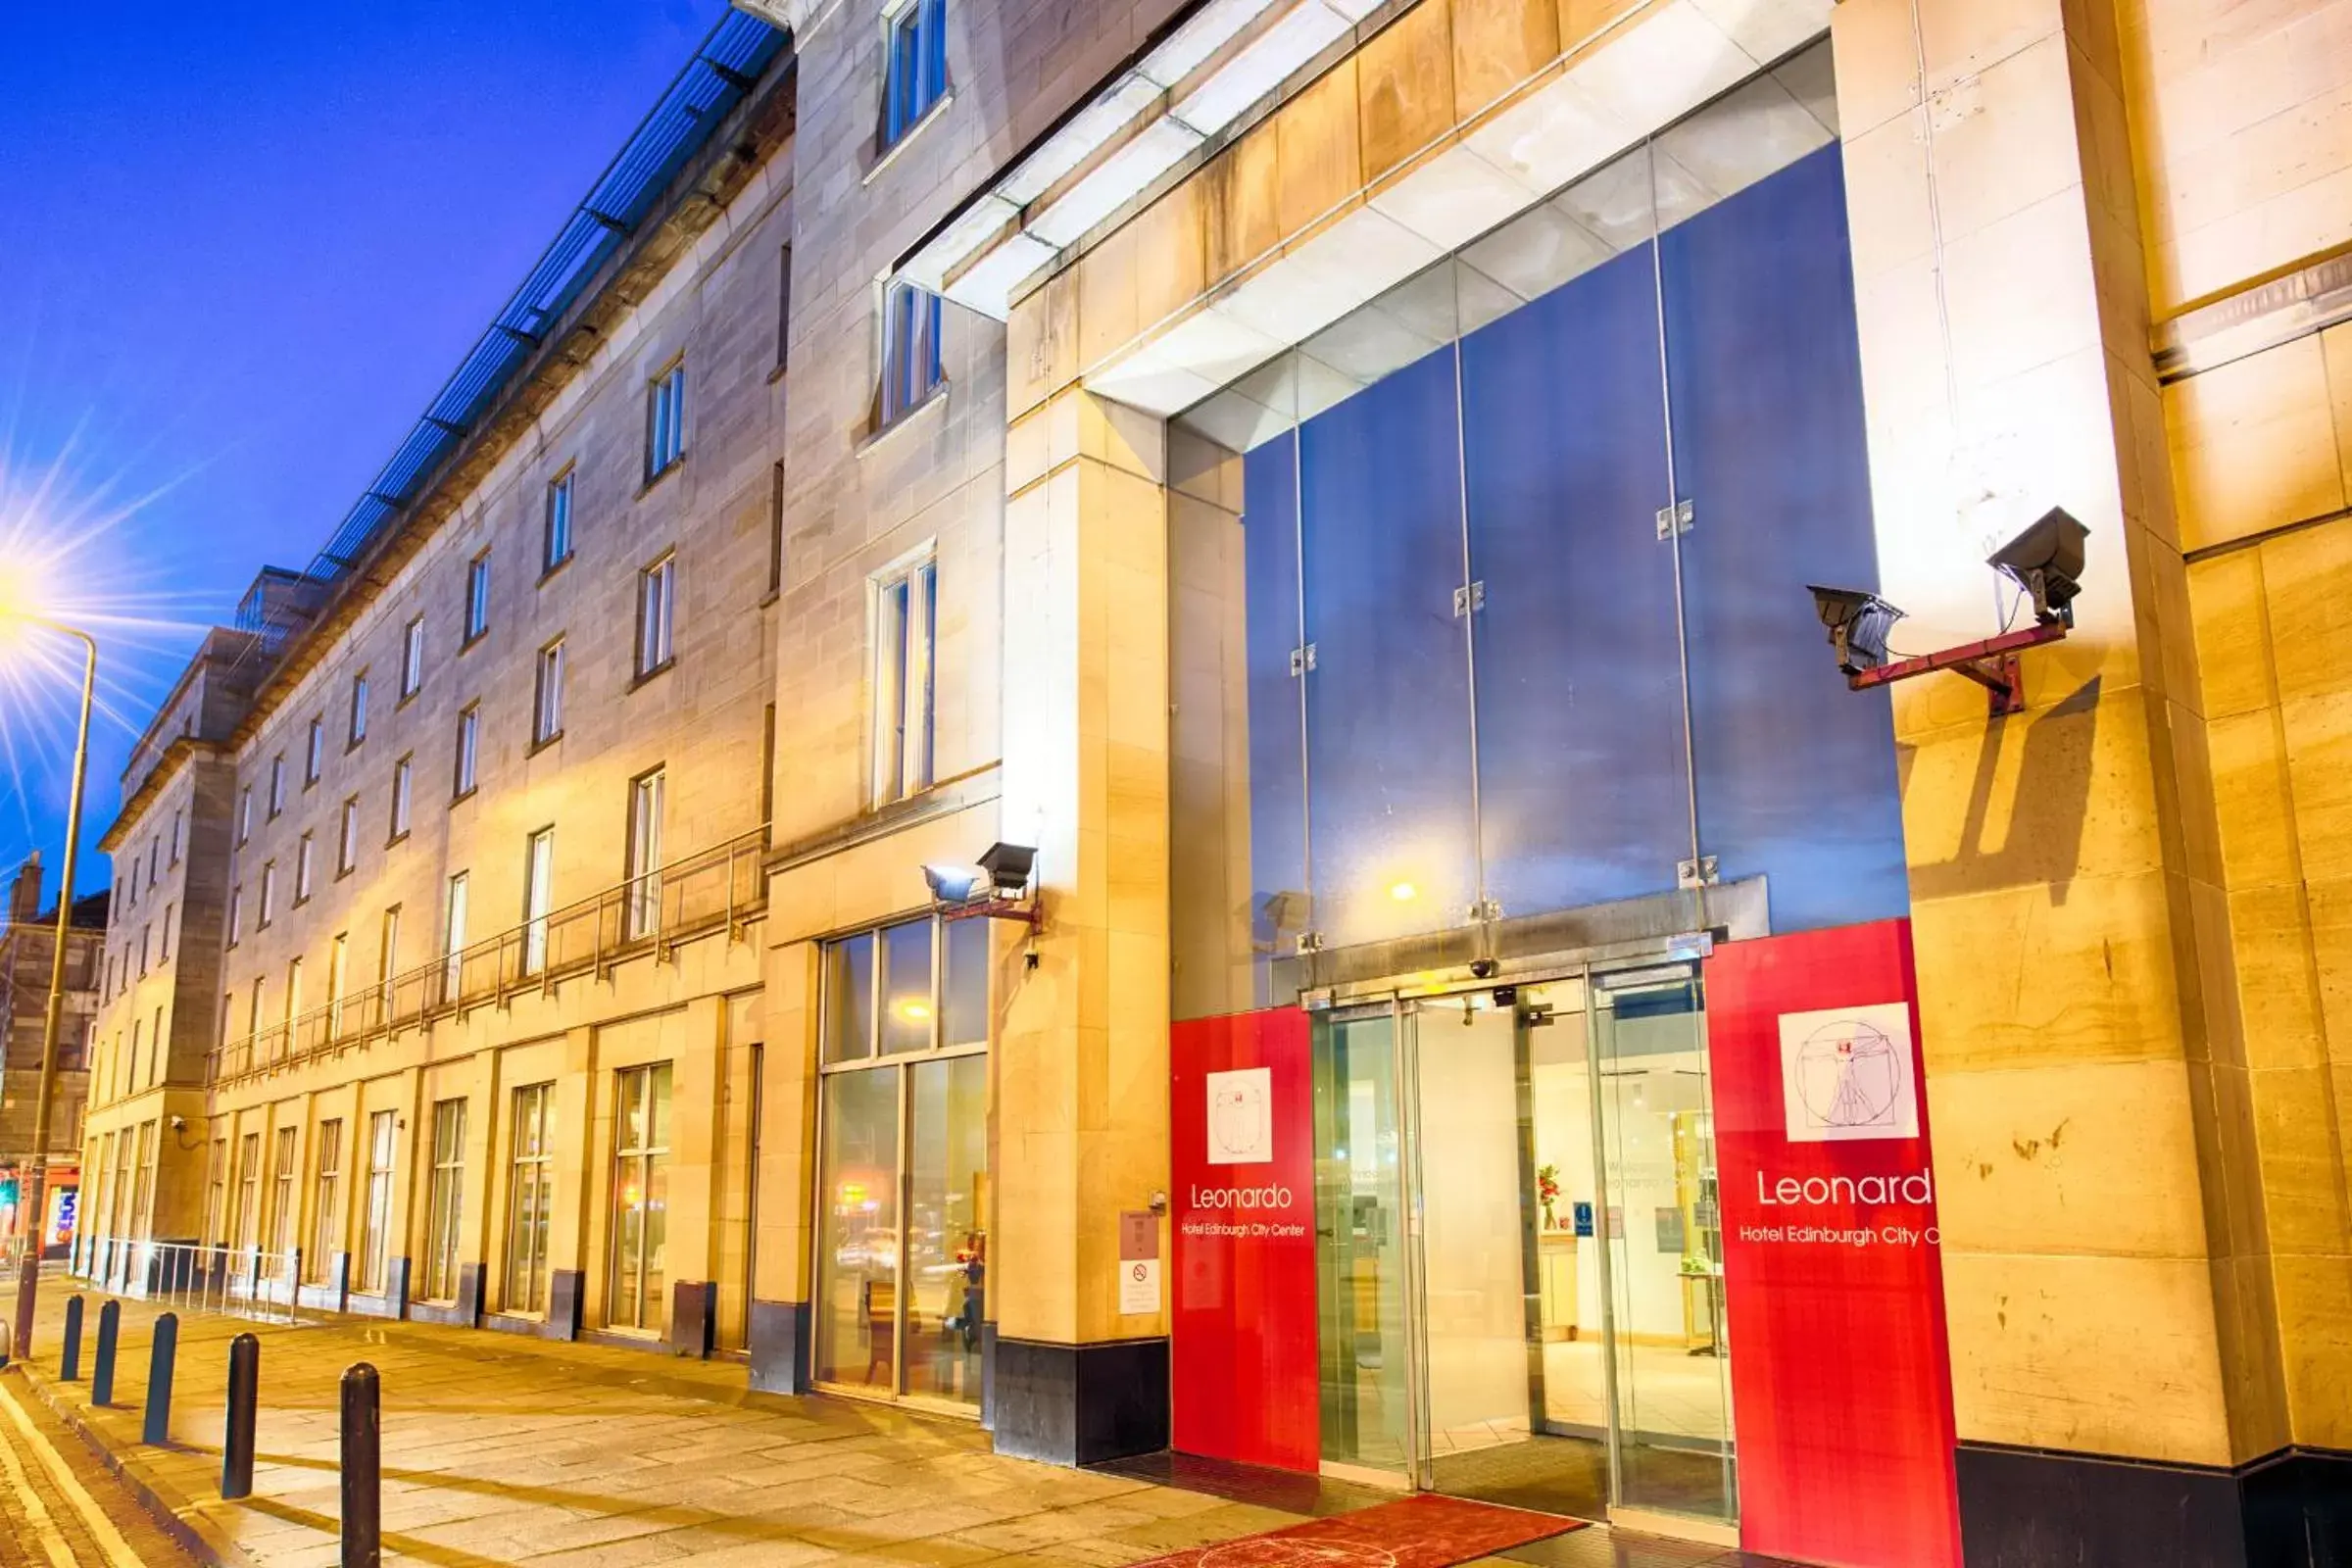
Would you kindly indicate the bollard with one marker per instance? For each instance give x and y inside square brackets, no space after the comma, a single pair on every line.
[102,1370]
[362,1459]
[161,1354]
[236,1440]
[68,1353]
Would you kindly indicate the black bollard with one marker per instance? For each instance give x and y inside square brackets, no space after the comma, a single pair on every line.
[102,1370]
[161,1354]
[244,1390]
[363,1461]
[68,1355]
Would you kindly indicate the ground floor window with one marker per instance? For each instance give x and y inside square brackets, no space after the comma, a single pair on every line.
[640,1199]
[375,1235]
[281,1193]
[445,1212]
[327,1211]
[530,1192]
[901,1189]
[143,1179]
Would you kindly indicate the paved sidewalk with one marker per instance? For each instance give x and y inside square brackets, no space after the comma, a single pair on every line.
[509,1450]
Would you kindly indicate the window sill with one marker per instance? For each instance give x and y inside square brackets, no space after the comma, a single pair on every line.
[776,374]
[397,839]
[463,796]
[474,642]
[904,417]
[354,744]
[404,698]
[553,566]
[653,479]
[647,677]
[770,599]
[343,871]
[538,746]
[884,157]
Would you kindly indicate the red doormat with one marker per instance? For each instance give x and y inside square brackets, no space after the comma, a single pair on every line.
[1417,1531]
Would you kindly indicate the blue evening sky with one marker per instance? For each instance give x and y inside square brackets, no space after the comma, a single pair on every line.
[241,246]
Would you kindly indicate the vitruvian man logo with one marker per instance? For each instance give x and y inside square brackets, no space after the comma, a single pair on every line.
[1241,1117]
[1846,1073]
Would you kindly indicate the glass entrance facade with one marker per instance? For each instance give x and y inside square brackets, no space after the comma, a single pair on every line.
[902,1223]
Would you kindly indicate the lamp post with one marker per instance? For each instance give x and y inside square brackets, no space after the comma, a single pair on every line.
[36,1190]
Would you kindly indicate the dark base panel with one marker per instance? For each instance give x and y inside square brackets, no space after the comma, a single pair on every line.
[470,1294]
[503,1323]
[693,1318]
[988,1375]
[779,1347]
[448,1314]
[2027,1507]
[1079,1404]
[567,1295]
[396,1286]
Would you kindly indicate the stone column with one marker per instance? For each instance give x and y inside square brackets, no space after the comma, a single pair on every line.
[1081,1074]
[572,1172]
[2103,1234]
[787,1173]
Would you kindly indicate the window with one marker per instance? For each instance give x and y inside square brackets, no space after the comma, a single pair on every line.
[254,1013]
[179,823]
[248,1231]
[388,960]
[326,1212]
[376,1230]
[412,659]
[640,1199]
[236,914]
[915,75]
[538,898]
[215,1207]
[530,1195]
[453,938]
[244,816]
[445,1205]
[558,521]
[783,307]
[359,707]
[402,772]
[146,944]
[152,846]
[547,702]
[268,905]
[278,786]
[293,994]
[775,529]
[911,366]
[906,616]
[665,421]
[656,608]
[302,869]
[164,942]
[347,837]
[338,980]
[469,748]
[282,1194]
[477,597]
[155,1047]
[903,1116]
[134,1052]
[314,757]
[642,903]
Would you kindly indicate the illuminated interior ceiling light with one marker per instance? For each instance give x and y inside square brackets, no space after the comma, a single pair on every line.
[1858,622]
[913,1009]
[2047,561]
[1403,892]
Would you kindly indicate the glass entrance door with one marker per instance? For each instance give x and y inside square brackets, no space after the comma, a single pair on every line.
[1518,1245]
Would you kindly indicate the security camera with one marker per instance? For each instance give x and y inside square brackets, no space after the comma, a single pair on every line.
[180,1124]
[1483,969]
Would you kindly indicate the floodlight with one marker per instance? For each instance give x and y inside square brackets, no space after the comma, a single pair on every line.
[2047,561]
[956,884]
[1858,622]
[1008,866]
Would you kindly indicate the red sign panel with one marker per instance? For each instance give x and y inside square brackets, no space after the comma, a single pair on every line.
[1241,1123]
[1842,1391]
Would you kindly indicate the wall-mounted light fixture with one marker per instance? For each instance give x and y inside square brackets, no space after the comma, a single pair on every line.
[995,886]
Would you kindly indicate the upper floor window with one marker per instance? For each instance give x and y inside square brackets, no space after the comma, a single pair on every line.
[912,368]
[915,75]
[401,774]
[477,596]
[268,904]
[236,916]
[359,707]
[153,846]
[558,521]
[315,758]
[180,826]
[665,421]
[784,308]
[278,784]
[302,869]
[656,607]
[546,707]
[906,617]
[469,750]
[347,837]
[245,813]
[412,659]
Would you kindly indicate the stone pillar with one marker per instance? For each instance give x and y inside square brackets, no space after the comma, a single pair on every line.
[572,1172]
[1081,1073]
[2103,1234]
[787,1172]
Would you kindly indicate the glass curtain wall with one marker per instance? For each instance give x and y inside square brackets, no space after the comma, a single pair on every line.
[1523,547]
[901,1224]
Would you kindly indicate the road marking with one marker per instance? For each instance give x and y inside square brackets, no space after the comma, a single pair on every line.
[102,1530]
[37,1512]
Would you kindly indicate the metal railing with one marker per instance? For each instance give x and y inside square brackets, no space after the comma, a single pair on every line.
[716,890]
[193,1277]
